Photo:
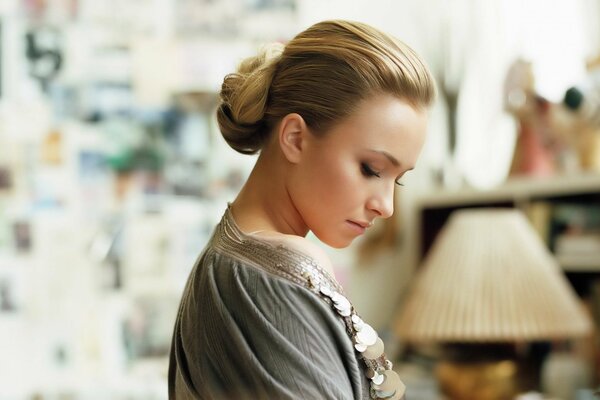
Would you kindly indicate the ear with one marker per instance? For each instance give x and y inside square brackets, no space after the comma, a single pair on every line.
[292,136]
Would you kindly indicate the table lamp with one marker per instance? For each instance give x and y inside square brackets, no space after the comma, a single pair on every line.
[487,283]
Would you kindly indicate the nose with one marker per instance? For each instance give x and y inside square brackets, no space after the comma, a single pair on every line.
[382,202]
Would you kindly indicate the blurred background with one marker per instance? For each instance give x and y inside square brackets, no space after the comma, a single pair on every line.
[113,175]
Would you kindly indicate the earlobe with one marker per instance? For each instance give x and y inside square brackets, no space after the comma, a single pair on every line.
[292,133]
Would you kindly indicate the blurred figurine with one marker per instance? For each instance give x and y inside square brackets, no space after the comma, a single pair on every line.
[584,101]
[533,153]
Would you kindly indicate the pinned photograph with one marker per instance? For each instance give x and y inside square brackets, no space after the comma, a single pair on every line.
[6,179]
[8,301]
[22,236]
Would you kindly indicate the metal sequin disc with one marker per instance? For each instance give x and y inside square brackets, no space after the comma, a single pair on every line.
[343,306]
[375,350]
[399,394]
[325,290]
[360,347]
[341,302]
[344,312]
[357,323]
[378,379]
[390,383]
[384,395]
[367,335]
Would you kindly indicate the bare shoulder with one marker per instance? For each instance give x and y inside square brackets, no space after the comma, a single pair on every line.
[304,246]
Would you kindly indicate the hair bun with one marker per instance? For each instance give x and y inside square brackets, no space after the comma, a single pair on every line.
[244,96]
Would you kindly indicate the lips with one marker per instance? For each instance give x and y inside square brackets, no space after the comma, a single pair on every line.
[358,226]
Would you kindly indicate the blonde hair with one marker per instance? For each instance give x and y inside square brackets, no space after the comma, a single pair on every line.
[322,74]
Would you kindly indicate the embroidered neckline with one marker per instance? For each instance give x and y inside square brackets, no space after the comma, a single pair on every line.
[270,255]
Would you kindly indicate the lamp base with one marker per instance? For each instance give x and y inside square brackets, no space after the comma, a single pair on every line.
[484,372]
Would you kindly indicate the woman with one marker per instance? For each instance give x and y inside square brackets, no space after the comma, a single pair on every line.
[338,116]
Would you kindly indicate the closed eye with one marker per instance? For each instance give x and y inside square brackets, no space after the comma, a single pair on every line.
[368,171]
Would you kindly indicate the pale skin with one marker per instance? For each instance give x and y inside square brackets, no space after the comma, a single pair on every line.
[334,185]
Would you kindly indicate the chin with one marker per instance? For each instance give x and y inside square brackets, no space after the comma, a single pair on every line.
[335,242]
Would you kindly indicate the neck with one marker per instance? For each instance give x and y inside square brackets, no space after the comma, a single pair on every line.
[264,203]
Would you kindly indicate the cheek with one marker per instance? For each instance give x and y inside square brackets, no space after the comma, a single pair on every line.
[335,183]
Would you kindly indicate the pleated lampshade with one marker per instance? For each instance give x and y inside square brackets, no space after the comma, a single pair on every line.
[490,278]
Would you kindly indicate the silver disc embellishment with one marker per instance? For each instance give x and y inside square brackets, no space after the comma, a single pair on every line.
[367,335]
[325,290]
[391,383]
[378,379]
[384,395]
[345,312]
[374,351]
[360,347]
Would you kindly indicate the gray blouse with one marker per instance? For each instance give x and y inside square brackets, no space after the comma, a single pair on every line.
[253,323]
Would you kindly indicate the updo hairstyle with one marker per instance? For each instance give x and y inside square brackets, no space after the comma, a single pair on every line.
[322,74]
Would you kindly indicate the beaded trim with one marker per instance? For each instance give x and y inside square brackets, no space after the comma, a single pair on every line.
[303,270]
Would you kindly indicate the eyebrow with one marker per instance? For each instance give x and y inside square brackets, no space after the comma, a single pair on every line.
[390,157]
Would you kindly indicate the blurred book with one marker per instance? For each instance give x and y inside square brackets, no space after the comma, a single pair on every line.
[578,251]
[578,243]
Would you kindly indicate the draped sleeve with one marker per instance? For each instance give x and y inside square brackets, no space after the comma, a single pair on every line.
[244,333]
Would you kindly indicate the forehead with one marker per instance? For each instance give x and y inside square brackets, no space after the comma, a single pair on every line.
[383,123]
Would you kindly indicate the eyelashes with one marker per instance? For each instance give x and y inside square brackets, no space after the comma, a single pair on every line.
[369,172]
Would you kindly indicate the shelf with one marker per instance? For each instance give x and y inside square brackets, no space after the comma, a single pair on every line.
[433,209]
[515,190]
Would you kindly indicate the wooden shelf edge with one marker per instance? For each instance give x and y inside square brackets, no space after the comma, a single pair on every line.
[514,190]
